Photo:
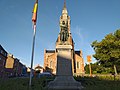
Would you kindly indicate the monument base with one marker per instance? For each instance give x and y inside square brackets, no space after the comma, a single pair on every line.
[64,83]
[64,78]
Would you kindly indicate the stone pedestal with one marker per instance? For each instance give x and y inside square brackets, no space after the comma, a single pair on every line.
[64,78]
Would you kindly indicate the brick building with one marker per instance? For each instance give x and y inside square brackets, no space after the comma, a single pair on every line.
[19,68]
[9,65]
[39,69]
[50,56]
[14,67]
[3,57]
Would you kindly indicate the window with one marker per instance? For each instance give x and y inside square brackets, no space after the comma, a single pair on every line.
[1,51]
[78,65]
[4,63]
[63,22]
[5,54]
[50,64]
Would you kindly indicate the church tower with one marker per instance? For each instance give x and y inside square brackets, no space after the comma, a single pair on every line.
[64,36]
[64,39]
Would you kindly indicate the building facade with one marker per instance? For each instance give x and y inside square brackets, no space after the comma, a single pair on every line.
[65,36]
[9,65]
[38,69]
[14,67]
[3,57]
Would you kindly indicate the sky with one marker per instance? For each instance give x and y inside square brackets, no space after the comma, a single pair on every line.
[90,20]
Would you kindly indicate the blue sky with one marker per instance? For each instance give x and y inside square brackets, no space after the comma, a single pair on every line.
[90,20]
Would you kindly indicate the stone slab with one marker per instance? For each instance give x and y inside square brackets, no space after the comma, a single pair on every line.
[64,83]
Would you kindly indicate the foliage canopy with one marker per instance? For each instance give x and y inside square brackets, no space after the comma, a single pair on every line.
[107,51]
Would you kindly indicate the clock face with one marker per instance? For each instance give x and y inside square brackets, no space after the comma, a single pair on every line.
[63,22]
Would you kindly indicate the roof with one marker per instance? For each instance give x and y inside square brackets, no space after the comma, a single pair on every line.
[50,51]
[77,52]
[38,67]
[2,48]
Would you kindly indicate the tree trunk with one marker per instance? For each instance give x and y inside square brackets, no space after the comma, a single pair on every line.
[115,69]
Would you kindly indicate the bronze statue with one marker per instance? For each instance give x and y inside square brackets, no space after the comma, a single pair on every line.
[64,32]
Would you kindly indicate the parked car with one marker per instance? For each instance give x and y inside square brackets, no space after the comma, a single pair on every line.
[45,74]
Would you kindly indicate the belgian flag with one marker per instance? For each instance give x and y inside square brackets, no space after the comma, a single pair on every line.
[35,9]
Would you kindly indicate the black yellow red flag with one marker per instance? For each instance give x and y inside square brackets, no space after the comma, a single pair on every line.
[35,9]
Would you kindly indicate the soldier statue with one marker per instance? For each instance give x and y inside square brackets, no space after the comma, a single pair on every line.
[64,32]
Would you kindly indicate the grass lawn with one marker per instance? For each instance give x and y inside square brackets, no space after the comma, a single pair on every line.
[21,84]
[100,83]
[89,83]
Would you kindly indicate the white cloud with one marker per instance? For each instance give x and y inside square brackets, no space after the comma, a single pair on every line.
[77,36]
[81,42]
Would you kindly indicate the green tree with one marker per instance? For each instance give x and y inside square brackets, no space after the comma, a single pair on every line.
[97,69]
[87,71]
[107,51]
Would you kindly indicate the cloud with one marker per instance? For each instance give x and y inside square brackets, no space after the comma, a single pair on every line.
[77,35]
[81,42]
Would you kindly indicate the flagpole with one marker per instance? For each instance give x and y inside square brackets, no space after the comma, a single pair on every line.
[31,71]
[34,19]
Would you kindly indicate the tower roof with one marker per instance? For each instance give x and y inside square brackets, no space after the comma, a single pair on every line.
[64,4]
[64,11]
